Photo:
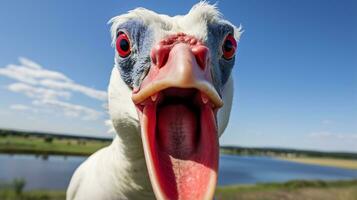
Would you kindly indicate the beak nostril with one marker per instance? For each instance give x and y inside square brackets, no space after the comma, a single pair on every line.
[161,59]
[201,63]
[193,41]
[201,55]
[160,52]
[159,55]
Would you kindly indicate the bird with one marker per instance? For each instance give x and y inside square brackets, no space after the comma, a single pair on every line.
[170,96]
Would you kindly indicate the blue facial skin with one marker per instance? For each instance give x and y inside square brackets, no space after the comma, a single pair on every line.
[134,68]
[221,68]
[136,65]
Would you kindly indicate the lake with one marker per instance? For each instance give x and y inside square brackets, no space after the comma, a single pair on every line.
[54,172]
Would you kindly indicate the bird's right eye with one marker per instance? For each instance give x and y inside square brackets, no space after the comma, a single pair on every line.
[123,45]
[229,47]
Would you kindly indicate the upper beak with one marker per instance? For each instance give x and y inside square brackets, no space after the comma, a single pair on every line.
[182,67]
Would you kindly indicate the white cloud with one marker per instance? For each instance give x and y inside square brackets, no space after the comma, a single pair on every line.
[29,63]
[34,74]
[19,107]
[37,92]
[60,85]
[17,73]
[69,109]
[50,91]
[28,74]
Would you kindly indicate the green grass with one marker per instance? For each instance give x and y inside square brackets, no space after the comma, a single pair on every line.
[46,145]
[292,190]
[14,191]
[9,194]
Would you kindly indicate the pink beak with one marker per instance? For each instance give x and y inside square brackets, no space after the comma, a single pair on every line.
[177,106]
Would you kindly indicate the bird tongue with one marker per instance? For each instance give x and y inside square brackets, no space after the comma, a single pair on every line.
[181,151]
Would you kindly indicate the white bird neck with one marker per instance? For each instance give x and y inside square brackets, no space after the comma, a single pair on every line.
[130,166]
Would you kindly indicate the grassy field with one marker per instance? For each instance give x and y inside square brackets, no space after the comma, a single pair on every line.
[332,162]
[14,191]
[33,195]
[49,145]
[293,190]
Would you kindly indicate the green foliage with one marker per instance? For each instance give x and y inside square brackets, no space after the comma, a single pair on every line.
[14,191]
[292,190]
[285,152]
[33,195]
[48,139]
[18,184]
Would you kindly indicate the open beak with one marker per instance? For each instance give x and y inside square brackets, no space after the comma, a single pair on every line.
[177,105]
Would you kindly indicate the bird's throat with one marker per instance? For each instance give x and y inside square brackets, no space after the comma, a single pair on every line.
[177,130]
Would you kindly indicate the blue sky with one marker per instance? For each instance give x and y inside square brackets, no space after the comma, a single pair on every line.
[295,75]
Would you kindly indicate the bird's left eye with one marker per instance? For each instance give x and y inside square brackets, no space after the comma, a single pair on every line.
[229,47]
[123,45]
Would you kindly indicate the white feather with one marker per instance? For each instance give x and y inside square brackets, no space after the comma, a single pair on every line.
[194,23]
[224,112]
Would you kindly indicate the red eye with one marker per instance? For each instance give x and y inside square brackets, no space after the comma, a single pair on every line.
[229,47]
[123,45]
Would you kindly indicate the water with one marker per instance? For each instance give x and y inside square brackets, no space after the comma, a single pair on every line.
[254,169]
[55,172]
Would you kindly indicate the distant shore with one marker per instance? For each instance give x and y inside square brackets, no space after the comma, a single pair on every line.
[19,142]
[286,152]
[332,159]
[47,144]
[331,162]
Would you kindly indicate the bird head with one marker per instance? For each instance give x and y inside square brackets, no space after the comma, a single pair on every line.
[172,85]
